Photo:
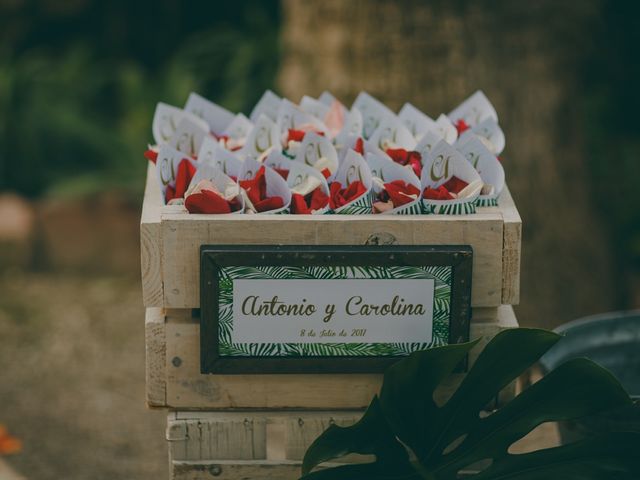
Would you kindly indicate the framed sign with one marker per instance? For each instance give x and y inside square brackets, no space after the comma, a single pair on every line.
[329,309]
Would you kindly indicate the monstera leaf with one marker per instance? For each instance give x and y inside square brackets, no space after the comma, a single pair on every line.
[412,437]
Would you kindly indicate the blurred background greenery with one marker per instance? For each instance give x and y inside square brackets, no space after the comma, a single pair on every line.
[79,81]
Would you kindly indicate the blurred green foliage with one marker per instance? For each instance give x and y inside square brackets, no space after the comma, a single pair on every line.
[79,81]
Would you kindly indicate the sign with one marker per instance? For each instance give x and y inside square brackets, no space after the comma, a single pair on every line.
[311,309]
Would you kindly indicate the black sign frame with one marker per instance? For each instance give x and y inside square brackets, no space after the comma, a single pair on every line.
[213,257]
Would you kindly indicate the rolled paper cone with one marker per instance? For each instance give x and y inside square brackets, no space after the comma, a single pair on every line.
[488,167]
[384,170]
[354,168]
[443,163]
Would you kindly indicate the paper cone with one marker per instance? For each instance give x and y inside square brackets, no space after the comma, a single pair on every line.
[353,168]
[211,153]
[276,185]
[387,171]
[488,167]
[166,119]
[444,162]
[220,180]
[299,176]
[217,117]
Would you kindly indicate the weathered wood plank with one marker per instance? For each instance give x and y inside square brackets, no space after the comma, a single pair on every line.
[186,387]
[183,234]
[236,470]
[150,246]
[511,249]
[241,437]
[250,435]
[155,356]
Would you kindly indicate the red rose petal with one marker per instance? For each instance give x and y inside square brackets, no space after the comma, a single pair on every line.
[398,191]
[255,187]
[151,155]
[295,135]
[335,198]
[271,203]
[206,202]
[398,155]
[354,190]
[340,197]
[439,193]
[359,147]
[319,199]
[284,173]
[326,173]
[462,126]
[183,178]
[169,194]
[299,204]
[454,184]
[415,160]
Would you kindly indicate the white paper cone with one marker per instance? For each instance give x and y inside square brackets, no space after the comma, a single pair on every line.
[488,167]
[216,116]
[353,168]
[387,171]
[444,162]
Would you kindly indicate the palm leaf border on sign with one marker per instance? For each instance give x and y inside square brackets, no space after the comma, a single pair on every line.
[442,277]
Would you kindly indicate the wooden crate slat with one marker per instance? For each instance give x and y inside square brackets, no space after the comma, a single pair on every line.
[150,247]
[171,238]
[511,249]
[236,470]
[182,235]
[237,438]
[155,357]
[186,387]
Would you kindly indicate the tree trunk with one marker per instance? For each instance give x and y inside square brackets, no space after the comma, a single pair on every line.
[524,57]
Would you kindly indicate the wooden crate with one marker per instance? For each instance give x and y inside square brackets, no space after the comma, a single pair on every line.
[171,240]
[248,445]
[174,379]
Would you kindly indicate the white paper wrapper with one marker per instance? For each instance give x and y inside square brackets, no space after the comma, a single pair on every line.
[474,110]
[262,137]
[446,129]
[290,116]
[490,131]
[416,121]
[318,152]
[383,171]
[327,98]
[426,143]
[444,162]
[216,116]
[373,113]
[213,154]
[226,186]
[166,119]
[268,105]
[488,166]
[167,167]
[239,128]
[188,137]
[314,107]
[391,133]
[303,179]
[353,168]
[353,125]
[276,159]
[276,185]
